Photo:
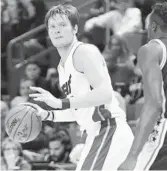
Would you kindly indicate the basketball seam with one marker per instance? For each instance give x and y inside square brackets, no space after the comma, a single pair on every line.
[31,126]
[34,112]
[38,119]
[13,115]
[6,123]
[20,123]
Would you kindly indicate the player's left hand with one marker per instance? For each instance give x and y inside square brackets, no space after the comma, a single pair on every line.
[128,164]
[45,96]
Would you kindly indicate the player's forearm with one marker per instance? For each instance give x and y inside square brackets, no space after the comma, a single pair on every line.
[96,97]
[60,116]
[144,128]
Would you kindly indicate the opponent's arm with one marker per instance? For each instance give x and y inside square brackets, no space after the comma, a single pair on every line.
[89,61]
[148,59]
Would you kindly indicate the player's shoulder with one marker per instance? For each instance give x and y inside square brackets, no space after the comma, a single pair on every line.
[84,54]
[86,48]
[148,53]
[86,51]
[151,48]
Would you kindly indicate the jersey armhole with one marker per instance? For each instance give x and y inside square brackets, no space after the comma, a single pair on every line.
[73,58]
[164,53]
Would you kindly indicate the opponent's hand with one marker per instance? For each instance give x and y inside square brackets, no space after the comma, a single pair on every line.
[128,164]
[41,112]
[45,96]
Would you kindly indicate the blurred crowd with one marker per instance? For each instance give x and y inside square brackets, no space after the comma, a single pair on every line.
[62,142]
[20,16]
[55,141]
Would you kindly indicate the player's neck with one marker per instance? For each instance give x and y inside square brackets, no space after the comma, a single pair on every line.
[161,35]
[64,51]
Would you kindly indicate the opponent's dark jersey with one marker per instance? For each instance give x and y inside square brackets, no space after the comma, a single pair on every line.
[163,66]
[164,75]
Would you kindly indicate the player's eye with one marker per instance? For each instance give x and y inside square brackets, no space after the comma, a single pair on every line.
[62,25]
[52,27]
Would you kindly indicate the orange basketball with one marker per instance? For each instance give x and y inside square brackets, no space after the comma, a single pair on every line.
[22,124]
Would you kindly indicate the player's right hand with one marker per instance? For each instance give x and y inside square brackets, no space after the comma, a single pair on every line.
[41,112]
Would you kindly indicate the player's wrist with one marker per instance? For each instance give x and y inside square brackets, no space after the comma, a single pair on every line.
[50,116]
[65,104]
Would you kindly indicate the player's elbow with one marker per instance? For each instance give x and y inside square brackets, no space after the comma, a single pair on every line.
[107,94]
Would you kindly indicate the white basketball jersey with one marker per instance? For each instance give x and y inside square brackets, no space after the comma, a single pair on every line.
[74,83]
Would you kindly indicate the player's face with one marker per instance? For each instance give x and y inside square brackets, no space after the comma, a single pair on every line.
[11,150]
[32,71]
[60,30]
[48,131]
[56,150]
[25,87]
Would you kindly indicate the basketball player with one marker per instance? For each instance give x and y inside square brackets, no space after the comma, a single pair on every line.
[90,99]
[149,149]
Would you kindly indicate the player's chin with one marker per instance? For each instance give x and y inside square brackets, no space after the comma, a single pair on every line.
[59,44]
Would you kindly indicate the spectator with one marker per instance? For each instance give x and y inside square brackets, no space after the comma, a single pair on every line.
[76,153]
[40,11]
[62,132]
[34,47]
[38,19]
[24,91]
[120,64]
[4,110]
[118,54]
[6,28]
[59,150]
[97,9]
[53,82]
[86,37]
[124,19]
[38,145]
[32,72]
[50,128]
[11,158]
[21,12]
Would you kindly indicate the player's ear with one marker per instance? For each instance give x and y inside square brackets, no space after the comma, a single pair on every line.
[154,26]
[75,29]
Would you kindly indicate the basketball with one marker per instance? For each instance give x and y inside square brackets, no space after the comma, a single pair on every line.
[22,124]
